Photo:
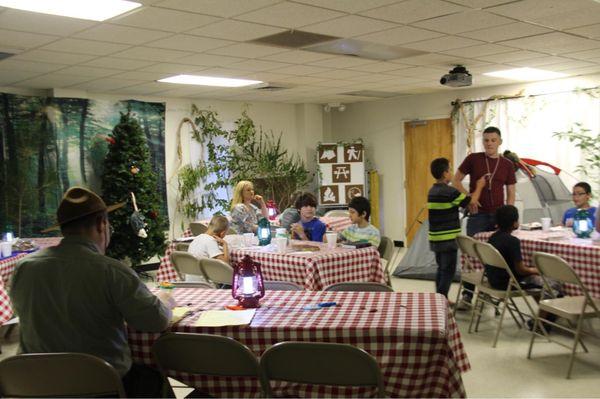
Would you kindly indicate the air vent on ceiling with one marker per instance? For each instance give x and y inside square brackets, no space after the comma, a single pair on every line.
[293,39]
[362,49]
[272,87]
[4,56]
[371,93]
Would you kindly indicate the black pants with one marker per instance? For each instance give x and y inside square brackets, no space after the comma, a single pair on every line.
[446,262]
[145,382]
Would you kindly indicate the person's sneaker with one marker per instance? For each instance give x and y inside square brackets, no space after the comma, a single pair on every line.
[463,304]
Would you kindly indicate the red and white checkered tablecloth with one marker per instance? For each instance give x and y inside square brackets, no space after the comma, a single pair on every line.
[7,267]
[413,336]
[312,270]
[334,223]
[166,270]
[581,255]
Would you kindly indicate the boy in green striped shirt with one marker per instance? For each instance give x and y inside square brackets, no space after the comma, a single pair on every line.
[361,230]
[443,202]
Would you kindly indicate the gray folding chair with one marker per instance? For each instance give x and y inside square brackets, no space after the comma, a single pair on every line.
[574,309]
[359,286]
[216,271]
[198,228]
[282,286]
[186,263]
[386,248]
[467,247]
[58,375]
[499,299]
[205,354]
[320,363]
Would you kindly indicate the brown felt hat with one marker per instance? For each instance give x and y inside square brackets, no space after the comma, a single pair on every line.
[79,202]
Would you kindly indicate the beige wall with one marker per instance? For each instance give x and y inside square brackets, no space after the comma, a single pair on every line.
[380,125]
[301,125]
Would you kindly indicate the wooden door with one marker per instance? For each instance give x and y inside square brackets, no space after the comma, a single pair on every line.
[423,142]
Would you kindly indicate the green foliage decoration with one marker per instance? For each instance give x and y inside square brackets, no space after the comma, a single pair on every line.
[129,152]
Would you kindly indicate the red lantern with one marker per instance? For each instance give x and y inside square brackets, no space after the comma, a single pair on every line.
[272,210]
[247,286]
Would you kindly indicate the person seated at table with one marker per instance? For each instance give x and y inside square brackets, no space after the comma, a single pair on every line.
[359,209]
[509,246]
[211,244]
[598,219]
[582,193]
[73,298]
[244,214]
[310,228]
[290,215]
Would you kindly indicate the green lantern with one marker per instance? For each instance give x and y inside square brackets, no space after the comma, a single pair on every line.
[264,232]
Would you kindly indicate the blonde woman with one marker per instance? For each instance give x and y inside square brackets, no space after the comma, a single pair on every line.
[244,214]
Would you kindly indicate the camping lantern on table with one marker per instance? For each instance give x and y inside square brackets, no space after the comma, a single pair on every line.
[264,232]
[272,210]
[582,224]
[247,285]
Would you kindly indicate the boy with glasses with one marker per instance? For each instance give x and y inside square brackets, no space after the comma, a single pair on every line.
[582,193]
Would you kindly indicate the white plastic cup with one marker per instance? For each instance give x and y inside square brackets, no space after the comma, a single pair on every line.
[546,224]
[281,232]
[248,239]
[331,239]
[6,248]
[281,244]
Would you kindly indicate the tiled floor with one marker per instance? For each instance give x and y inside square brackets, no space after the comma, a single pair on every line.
[501,372]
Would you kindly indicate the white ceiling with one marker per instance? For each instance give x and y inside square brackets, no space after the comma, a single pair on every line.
[127,54]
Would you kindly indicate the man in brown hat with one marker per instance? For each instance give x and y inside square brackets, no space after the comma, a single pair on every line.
[73,298]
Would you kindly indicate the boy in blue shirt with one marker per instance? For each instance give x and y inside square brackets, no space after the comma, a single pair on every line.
[582,193]
[444,202]
[310,228]
[361,230]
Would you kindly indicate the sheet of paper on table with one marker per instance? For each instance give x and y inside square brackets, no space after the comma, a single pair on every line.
[179,313]
[221,318]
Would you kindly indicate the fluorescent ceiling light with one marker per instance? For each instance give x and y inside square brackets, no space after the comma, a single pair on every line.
[96,10]
[526,74]
[209,81]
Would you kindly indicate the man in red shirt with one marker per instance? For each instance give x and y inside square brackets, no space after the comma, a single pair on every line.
[499,173]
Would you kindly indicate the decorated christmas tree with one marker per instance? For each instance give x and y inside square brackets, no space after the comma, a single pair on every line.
[138,234]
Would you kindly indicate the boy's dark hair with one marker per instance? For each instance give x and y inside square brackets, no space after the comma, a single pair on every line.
[360,205]
[586,187]
[492,129]
[438,167]
[506,216]
[305,199]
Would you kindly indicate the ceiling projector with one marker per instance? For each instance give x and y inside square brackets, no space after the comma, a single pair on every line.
[457,77]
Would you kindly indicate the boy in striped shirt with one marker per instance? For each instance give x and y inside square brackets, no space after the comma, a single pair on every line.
[443,202]
[361,230]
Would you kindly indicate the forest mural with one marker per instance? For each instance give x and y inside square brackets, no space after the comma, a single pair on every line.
[48,144]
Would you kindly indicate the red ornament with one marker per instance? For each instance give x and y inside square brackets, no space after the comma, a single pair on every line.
[110,140]
[152,214]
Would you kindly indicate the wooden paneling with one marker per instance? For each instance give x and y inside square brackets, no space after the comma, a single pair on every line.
[424,141]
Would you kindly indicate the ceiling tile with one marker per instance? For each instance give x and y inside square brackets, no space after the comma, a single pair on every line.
[258,65]
[300,70]
[584,55]
[91,72]
[343,61]
[583,71]
[106,84]
[52,80]
[226,72]
[297,57]
[14,76]
[208,60]
[190,43]
[23,40]
[533,10]
[422,73]
[569,65]
[247,50]
[424,59]
[121,34]
[163,19]
[400,35]
[376,67]
[573,18]
[349,26]
[139,75]
[151,54]
[118,63]
[171,68]
[555,43]
[301,80]
[591,31]
[505,32]
[80,46]
[463,21]
[413,10]
[338,74]
[511,56]
[143,89]
[219,8]
[481,3]
[28,66]
[235,30]
[540,62]
[42,23]
[289,15]
[349,6]
[53,57]
[443,43]
[478,51]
